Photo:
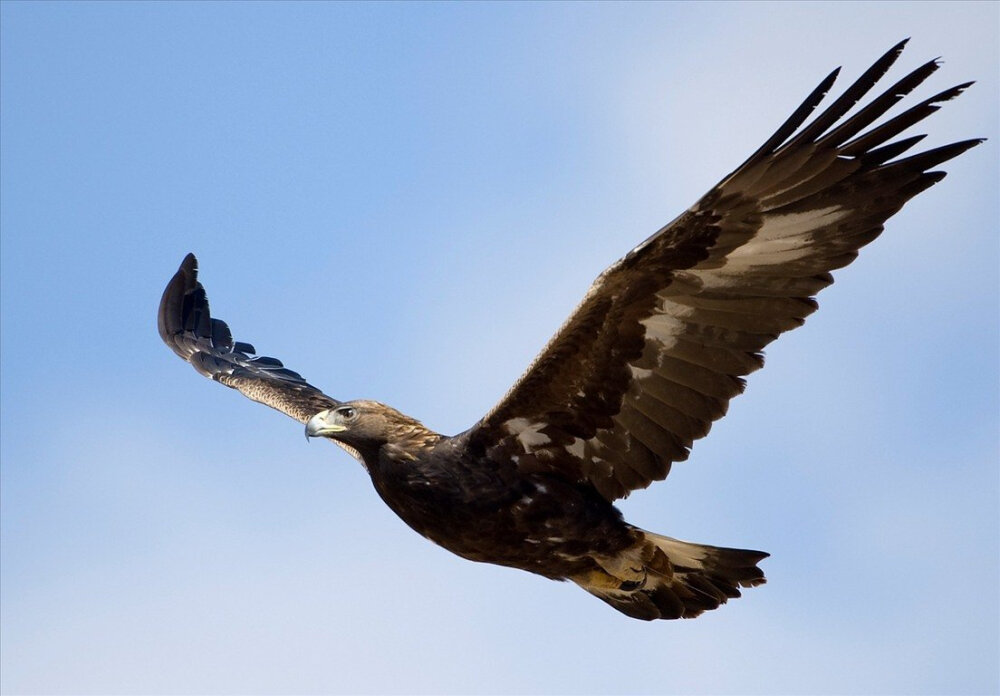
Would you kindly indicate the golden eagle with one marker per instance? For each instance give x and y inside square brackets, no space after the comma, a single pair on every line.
[643,367]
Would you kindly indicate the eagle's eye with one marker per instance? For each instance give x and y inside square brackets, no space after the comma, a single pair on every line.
[347,413]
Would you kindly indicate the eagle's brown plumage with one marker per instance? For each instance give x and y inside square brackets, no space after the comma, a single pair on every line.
[642,368]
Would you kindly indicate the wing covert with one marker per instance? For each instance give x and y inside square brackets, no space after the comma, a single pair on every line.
[188,328]
[663,339]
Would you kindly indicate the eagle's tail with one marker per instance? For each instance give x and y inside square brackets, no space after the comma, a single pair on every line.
[664,578]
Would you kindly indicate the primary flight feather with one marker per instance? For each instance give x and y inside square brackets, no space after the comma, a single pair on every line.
[641,369]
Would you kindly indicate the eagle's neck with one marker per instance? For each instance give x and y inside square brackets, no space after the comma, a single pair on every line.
[409,441]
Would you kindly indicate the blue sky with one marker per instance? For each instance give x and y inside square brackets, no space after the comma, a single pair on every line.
[403,202]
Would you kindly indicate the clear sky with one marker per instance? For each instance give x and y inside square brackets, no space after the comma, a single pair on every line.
[402,202]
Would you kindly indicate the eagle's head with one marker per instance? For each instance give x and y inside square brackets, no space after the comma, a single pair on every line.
[363,428]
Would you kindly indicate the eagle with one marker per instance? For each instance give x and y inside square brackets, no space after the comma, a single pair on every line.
[642,368]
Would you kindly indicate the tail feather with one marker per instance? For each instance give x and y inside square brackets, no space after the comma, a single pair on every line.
[664,578]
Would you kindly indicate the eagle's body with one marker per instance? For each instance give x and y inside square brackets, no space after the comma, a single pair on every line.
[647,362]
[486,510]
[481,506]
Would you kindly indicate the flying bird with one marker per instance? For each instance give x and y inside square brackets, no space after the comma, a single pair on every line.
[640,370]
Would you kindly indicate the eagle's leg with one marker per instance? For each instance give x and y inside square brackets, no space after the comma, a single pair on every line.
[663,578]
[598,578]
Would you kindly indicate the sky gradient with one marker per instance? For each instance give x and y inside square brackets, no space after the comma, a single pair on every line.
[403,202]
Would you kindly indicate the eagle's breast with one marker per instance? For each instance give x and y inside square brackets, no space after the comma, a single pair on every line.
[488,510]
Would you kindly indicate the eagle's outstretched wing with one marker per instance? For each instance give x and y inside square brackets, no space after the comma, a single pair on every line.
[187,326]
[663,338]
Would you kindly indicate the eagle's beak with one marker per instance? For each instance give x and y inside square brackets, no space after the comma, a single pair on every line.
[318,426]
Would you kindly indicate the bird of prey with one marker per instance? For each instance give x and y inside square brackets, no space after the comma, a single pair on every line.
[641,369]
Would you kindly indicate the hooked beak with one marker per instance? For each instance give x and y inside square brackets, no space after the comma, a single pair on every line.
[318,426]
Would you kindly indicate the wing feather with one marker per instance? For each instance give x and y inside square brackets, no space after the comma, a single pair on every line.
[186,325]
[664,337]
